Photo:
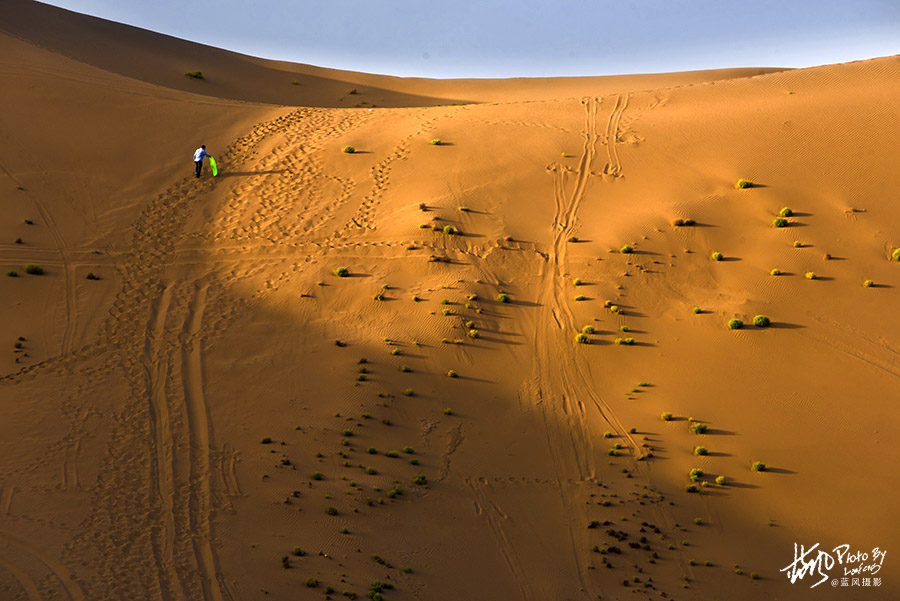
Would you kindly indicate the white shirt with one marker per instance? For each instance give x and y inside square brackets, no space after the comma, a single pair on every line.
[199,154]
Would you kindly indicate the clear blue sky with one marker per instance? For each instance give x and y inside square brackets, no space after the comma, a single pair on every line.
[470,38]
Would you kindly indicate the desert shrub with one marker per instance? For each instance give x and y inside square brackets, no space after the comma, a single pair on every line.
[346,432]
[735,324]
[623,328]
[408,392]
[588,329]
[312,582]
[780,222]
[758,466]
[395,352]
[666,416]
[472,297]
[295,82]
[580,297]
[582,338]
[435,142]
[695,474]
[572,239]
[721,480]
[896,254]
[754,575]
[266,440]
[607,434]
[613,453]
[331,511]
[405,368]
[420,480]
[371,471]
[448,411]
[341,272]
[697,310]
[717,256]
[868,283]
[743,183]
[452,374]
[194,74]
[607,304]
[798,244]
[826,257]
[700,451]
[450,230]
[688,488]
[464,209]
[298,552]
[371,450]
[92,276]
[474,334]
[761,321]
[614,309]
[348,149]
[392,454]
[785,212]
[12,273]
[409,450]
[576,282]
[317,476]
[698,427]
[503,297]
[775,271]
[378,296]
[811,275]
[34,269]
[362,377]
[470,324]
[627,249]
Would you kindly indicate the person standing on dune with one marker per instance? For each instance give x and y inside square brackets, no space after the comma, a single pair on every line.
[198,158]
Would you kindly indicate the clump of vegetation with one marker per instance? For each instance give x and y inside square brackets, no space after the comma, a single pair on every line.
[798,244]
[348,149]
[91,276]
[420,480]
[666,416]
[572,239]
[896,254]
[761,321]
[452,374]
[378,296]
[758,466]
[435,142]
[868,284]
[450,230]
[503,297]
[700,451]
[582,338]
[811,275]
[346,432]
[576,282]
[194,74]
[464,209]
[754,575]
[735,324]
[627,249]
[405,368]
[580,297]
[689,488]
[588,329]
[717,256]
[743,183]
[698,427]
[312,582]
[331,510]
[34,269]
[298,552]
[448,411]
[695,474]
[785,212]
[721,480]
[317,476]
[697,310]
[341,272]
[614,309]
[623,328]
[266,440]
[683,222]
[12,273]
[775,271]
[409,392]
[474,334]
[780,222]
[371,471]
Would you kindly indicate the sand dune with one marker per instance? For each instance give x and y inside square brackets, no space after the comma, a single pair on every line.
[175,429]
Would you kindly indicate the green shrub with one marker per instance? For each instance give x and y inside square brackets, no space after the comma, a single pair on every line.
[331,511]
[371,471]
[92,276]
[266,440]
[371,450]
[317,476]
[698,427]
[754,575]
[450,230]
[378,296]
[409,392]
[448,411]
[503,297]
[613,453]
[607,434]
[435,142]
[576,282]
[666,416]
[420,480]
[623,328]
[362,377]
[695,474]
[785,212]
[697,310]
[588,329]
[627,249]
[341,272]
[474,334]
[896,254]
[34,269]
[735,324]
[761,321]
[798,244]
[811,275]
[700,451]
[409,450]
[717,256]
[12,273]
[348,149]
[758,466]
[868,283]
[698,521]
[688,488]
[312,582]
[298,552]
[392,454]
[580,297]
[743,183]
[582,338]
[452,374]
[295,82]
[721,480]
[572,239]
[194,74]
[775,272]
[780,222]
[614,309]
[347,432]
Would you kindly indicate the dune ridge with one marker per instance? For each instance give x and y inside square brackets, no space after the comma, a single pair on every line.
[225,414]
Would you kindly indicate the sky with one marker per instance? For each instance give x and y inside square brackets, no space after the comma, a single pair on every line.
[524,38]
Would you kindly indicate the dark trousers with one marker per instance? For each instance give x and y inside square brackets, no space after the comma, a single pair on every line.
[199,165]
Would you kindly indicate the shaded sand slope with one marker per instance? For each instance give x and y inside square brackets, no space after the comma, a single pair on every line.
[178,427]
[164,60]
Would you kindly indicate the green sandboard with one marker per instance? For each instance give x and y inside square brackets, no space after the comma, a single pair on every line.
[212,165]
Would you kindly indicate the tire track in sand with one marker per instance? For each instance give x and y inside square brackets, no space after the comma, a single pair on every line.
[198,426]
[24,579]
[59,570]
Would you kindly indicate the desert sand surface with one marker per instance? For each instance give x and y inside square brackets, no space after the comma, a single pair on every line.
[226,415]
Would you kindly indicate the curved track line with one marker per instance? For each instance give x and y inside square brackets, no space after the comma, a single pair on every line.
[65,578]
[27,583]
